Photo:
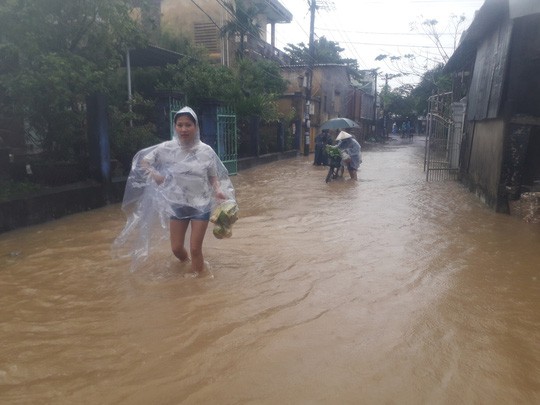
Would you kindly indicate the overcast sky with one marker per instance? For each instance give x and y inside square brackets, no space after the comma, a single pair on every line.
[368,28]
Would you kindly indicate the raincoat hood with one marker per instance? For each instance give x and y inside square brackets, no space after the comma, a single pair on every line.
[189,111]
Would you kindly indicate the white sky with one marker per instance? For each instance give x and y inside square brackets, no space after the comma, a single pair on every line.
[368,28]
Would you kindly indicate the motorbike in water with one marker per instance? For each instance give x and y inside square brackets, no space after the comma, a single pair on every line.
[335,166]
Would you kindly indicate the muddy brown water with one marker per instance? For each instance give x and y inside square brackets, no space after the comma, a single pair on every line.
[390,290]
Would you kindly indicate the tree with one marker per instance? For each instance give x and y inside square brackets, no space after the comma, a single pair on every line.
[324,51]
[250,87]
[416,64]
[399,104]
[260,85]
[199,80]
[60,53]
[411,100]
[243,22]
[429,28]
[432,82]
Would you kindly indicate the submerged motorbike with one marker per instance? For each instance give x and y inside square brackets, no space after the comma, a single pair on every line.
[335,167]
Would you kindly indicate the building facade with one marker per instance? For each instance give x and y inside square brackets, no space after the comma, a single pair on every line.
[333,94]
[201,22]
[496,72]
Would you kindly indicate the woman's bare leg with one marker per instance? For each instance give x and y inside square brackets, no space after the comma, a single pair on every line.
[178,229]
[198,231]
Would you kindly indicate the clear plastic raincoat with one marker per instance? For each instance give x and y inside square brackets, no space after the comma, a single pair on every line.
[170,180]
[349,148]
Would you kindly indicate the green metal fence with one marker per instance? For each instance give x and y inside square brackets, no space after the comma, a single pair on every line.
[174,105]
[227,140]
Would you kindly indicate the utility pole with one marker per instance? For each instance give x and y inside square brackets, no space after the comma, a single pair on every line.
[385,112]
[309,78]
[374,72]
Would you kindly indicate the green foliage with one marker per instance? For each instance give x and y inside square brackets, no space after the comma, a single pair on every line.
[260,85]
[11,189]
[398,104]
[251,88]
[324,51]
[243,23]
[52,100]
[408,100]
[260,76]
[433,82]
[333,152]
[55,53]
[199,80]
[177,43]
[60,52]
[260,105]
[130,132]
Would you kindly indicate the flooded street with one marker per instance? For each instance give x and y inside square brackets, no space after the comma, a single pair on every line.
[389,290]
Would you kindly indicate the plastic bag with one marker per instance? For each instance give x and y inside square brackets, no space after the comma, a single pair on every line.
[223,218]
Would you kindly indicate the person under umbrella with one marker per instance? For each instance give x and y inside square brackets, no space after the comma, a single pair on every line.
[350,153]
[321,140]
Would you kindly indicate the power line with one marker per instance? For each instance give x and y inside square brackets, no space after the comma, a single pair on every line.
[382,33]
[344,35]
[205,13]
[396,45]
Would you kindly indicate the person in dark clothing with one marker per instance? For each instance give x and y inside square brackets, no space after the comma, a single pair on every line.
[328,140]
[321,140]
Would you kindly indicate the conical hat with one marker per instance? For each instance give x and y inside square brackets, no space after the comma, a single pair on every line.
[343,135]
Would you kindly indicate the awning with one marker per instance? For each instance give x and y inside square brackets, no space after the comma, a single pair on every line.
[276,13]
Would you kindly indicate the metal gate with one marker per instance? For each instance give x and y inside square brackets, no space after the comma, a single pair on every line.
[174,105]
[443,138]
[227,140]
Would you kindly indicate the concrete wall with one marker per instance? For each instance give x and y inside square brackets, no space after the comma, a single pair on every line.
[331,84]
[483,176]
[58,202]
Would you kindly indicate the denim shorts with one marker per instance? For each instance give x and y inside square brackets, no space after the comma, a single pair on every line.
[188,213]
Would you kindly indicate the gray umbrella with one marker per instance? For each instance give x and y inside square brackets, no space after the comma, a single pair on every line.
[336,123]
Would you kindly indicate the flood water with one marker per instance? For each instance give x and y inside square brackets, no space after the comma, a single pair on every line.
[389,290]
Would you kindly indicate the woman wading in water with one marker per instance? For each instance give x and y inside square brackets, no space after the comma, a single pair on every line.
[181,181]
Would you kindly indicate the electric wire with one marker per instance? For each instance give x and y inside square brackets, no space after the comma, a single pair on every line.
[341,35]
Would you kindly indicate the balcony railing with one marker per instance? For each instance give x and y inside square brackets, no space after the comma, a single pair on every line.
[258,49]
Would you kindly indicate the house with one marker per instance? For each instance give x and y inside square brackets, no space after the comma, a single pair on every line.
[334,93]
[201,22]
[224,29]
[496,73]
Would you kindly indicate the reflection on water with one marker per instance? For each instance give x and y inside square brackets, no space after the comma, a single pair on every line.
[388,290]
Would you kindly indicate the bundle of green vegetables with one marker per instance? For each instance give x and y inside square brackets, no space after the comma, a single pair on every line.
[223,218]
[333,152]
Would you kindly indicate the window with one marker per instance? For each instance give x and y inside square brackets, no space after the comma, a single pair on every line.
[206,34]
